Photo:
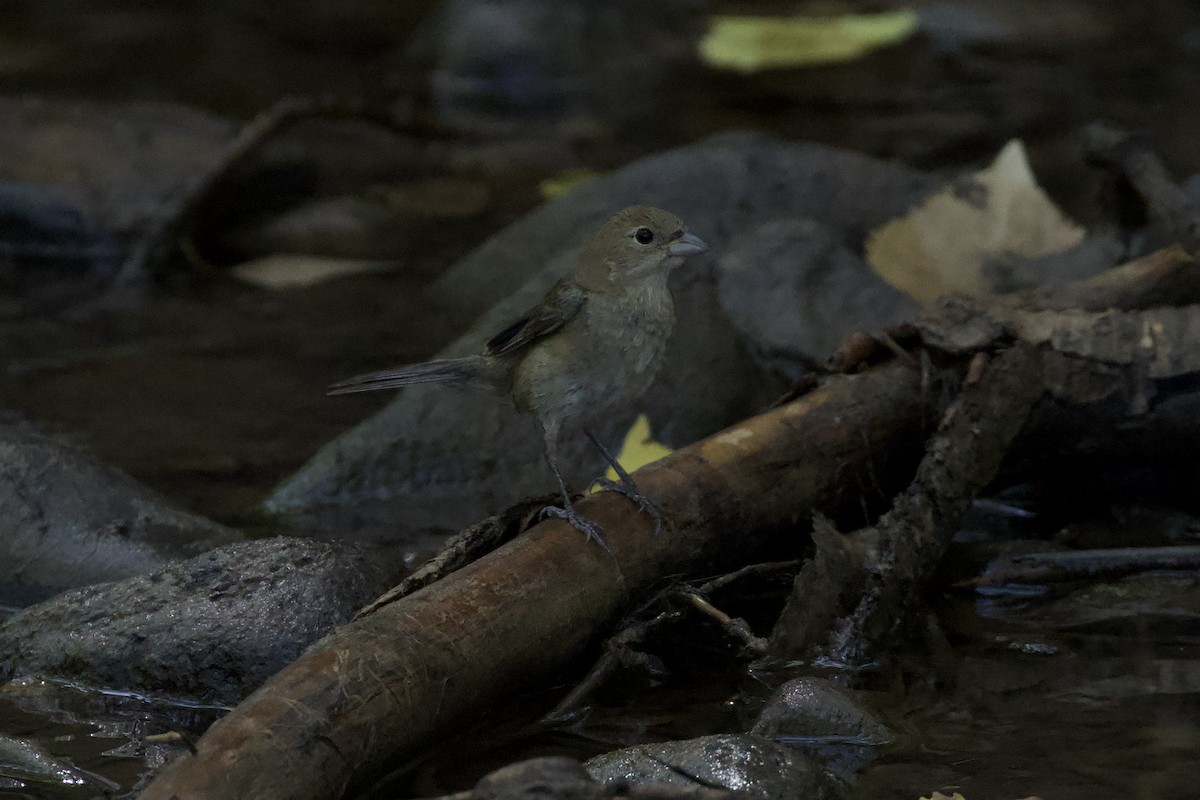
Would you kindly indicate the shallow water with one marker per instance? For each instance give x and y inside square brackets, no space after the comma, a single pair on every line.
[215,393]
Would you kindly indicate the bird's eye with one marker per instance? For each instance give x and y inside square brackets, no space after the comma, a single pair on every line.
[644,235]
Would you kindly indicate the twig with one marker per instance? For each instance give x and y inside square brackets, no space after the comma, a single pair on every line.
[894,346]
[750,570]
[734,626]
[619,651]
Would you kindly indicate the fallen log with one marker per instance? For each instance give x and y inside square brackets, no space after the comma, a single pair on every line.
[378,692]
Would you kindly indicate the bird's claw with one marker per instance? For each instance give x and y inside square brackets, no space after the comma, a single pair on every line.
[645,504]
[589,529]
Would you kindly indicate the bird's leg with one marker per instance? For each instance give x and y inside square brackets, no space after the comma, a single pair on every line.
[625,484]
[588,528]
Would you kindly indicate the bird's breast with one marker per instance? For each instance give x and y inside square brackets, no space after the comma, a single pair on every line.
[604,359]
[630,336]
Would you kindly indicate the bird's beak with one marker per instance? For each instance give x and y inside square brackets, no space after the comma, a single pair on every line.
[687,245]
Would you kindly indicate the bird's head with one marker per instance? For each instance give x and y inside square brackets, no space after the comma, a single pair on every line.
[637,242]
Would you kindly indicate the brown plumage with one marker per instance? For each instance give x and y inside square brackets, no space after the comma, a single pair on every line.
[594,342]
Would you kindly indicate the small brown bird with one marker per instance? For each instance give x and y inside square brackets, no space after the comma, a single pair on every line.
[594,343]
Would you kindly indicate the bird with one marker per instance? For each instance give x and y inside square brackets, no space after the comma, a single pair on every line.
[592,345]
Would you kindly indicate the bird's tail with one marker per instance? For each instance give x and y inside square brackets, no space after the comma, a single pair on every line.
[471,369]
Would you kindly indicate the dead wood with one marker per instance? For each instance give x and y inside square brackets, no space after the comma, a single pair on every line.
[1116,355]
[619,653]
[1152,292]
[1135,158]
[619,650]
[1167,277]
[1124,369]
[379,691]
[962,457]
[735,627]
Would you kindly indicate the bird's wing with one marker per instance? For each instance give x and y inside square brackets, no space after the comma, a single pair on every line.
[557,308]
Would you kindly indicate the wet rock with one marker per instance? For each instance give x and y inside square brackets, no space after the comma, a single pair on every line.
[100,728]
[795,291]
[539,779]
[23,762]
[70,521]
[209,629]
[446,458]
[746,763]
[814,708]
[825,722]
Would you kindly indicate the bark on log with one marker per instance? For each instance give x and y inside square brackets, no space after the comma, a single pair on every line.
[1135,158]
[382,689]
[1166,277]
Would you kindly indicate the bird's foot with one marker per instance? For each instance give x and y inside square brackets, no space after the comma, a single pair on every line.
[627,487]
[591,530]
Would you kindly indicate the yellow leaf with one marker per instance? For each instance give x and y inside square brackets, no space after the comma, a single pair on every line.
[945,244]
[940,796]
[639,448]
[750,43]
[564,182]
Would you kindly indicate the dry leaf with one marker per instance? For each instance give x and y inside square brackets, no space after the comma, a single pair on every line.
[294,271]
[750,44]
[945,244]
